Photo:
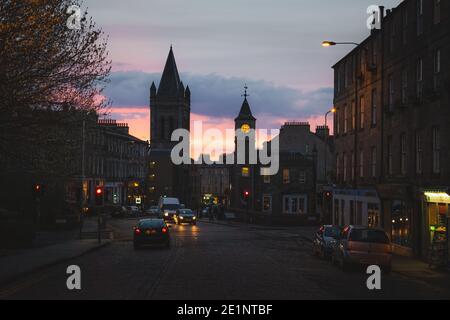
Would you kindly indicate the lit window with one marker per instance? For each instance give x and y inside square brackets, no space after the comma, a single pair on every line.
[267,203]
[286,176]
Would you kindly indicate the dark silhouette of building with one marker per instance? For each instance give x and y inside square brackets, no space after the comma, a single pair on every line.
[170,108]
[299,187]
[392,127]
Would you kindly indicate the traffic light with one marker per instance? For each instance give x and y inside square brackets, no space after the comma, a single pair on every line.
[246,194]
[38,190]
[99,196]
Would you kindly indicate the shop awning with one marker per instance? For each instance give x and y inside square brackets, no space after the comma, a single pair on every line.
[437,197]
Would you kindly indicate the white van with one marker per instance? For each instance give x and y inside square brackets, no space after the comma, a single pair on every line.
[168,207]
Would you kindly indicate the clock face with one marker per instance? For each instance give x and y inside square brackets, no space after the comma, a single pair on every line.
[245,128]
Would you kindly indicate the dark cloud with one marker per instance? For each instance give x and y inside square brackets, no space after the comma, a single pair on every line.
[215,95]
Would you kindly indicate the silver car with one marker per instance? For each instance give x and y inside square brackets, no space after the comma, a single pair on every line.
[359,245]
[324,239]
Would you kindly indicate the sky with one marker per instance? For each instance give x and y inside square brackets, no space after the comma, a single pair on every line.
[273,46]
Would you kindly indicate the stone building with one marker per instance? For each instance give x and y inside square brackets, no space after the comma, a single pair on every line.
[296,191]
[170,107]
[392,124]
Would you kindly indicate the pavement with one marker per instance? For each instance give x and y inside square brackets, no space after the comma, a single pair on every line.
[14,267]
[218,261]
[50,248]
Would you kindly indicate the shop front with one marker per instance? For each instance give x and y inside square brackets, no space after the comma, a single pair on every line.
[398,217]
[436,217]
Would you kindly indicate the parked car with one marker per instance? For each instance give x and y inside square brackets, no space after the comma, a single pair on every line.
[359,245]
[151,232]
[324,239]
[152,211]
[205,212]
[132,211]
[185,216]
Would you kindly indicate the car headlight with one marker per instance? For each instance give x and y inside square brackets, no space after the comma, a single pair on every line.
[166,214]
[181,218]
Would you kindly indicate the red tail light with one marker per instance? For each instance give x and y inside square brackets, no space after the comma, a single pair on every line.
[164,230]
[137,231]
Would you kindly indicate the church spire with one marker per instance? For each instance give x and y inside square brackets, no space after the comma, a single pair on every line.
[170,84]
[245,113]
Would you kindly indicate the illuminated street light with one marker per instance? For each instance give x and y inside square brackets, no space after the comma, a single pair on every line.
[332,43]
[328,43]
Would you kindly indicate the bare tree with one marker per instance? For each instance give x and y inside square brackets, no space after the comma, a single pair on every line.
[51,76]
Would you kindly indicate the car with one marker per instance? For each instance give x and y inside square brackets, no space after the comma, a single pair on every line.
[205,212]
[360,245]
[151,232]
[168,207]
[185,216]
[132,211]
[152,211]
[324,239]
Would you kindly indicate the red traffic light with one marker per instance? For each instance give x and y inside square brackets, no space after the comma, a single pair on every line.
[98,191]
[37,187]
[246,193]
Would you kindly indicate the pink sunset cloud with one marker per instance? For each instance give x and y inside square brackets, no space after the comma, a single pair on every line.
[138,119]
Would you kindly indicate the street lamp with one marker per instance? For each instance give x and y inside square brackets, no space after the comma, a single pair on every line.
[327,43]
[332,110]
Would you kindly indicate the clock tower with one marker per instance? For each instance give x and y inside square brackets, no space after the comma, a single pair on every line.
[243,175]
[245,121]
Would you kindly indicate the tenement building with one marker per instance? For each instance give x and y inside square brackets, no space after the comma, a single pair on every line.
[392,127]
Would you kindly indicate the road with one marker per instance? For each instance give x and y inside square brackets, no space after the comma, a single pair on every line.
[211,261]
